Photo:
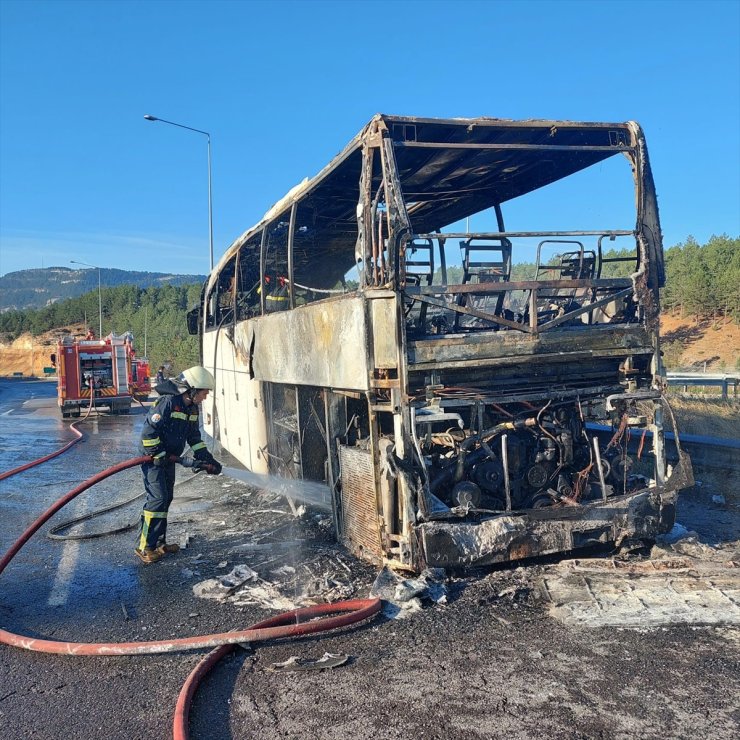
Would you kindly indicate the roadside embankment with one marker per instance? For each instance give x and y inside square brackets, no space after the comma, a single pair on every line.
[29,354]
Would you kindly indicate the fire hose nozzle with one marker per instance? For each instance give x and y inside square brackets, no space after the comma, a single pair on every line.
[197,465]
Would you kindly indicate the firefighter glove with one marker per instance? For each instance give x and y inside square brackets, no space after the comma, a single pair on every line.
[212,468]
[159,460]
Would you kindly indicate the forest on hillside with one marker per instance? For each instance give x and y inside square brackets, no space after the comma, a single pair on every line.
[154,315]
[704,280]
[35,288]
[701,280]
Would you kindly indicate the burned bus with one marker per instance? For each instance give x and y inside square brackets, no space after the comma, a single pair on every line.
[454,412]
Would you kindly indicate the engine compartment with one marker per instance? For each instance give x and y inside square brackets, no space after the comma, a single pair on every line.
[525,456]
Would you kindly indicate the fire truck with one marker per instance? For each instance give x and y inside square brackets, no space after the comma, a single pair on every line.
[140,380]
[106,369]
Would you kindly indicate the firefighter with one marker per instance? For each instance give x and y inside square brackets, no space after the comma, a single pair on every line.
[276,297]
[169,426]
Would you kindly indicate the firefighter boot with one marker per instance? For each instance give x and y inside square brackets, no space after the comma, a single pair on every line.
[147,555]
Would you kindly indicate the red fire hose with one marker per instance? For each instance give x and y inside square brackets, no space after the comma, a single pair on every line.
[284,624]
[288,624]
[40,460]
[58,452]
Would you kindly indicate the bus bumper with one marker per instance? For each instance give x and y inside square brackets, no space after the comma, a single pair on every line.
[506,537]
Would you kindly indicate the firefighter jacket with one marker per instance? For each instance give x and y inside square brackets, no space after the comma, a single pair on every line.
[277,299]
[170,425]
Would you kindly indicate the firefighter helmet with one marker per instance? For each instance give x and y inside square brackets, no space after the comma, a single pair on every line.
[197,378]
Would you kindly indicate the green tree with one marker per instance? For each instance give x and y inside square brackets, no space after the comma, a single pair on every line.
[154,315]
[704,280]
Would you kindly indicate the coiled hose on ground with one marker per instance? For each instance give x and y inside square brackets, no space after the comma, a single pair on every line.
[288,624]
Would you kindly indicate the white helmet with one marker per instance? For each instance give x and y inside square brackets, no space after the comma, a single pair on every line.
[197,378]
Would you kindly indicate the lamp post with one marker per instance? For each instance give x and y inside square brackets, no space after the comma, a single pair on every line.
[210,201]
[100,297]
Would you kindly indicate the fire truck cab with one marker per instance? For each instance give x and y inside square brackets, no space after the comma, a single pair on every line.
[95,372]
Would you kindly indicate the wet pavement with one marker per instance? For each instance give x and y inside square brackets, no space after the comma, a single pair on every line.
[96,590]
[490,663]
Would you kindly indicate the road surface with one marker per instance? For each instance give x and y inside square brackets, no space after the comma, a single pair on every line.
[494,662]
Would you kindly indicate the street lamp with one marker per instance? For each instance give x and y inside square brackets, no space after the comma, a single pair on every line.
[210,202]
[100,297]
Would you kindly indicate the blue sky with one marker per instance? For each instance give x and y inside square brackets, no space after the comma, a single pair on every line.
[282,87]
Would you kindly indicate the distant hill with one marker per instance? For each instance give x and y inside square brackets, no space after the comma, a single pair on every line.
[42,287]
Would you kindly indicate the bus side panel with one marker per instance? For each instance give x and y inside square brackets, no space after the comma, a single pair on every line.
[247,430]
[239,403]
[321,344]
[211,410]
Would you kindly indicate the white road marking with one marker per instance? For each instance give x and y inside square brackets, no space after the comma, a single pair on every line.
[60,590]
[67,562]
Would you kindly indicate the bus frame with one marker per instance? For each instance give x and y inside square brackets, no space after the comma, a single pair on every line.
[452,423]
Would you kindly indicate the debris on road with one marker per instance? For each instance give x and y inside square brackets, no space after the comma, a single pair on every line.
[287,588]
[294,663]
[403,596]
[683,582]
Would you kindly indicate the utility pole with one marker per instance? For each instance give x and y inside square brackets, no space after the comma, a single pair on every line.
[210,197]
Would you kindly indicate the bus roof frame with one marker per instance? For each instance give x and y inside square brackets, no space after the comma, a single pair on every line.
[502,157]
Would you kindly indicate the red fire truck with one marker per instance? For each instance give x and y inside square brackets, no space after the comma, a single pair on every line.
[106,368]
[140,379]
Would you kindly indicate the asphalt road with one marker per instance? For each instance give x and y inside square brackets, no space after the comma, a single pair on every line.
[492,663]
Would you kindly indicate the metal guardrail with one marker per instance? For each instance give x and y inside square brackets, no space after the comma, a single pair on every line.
[722,381]
[705,452]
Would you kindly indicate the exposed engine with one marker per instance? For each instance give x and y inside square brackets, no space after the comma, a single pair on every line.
[547,455]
